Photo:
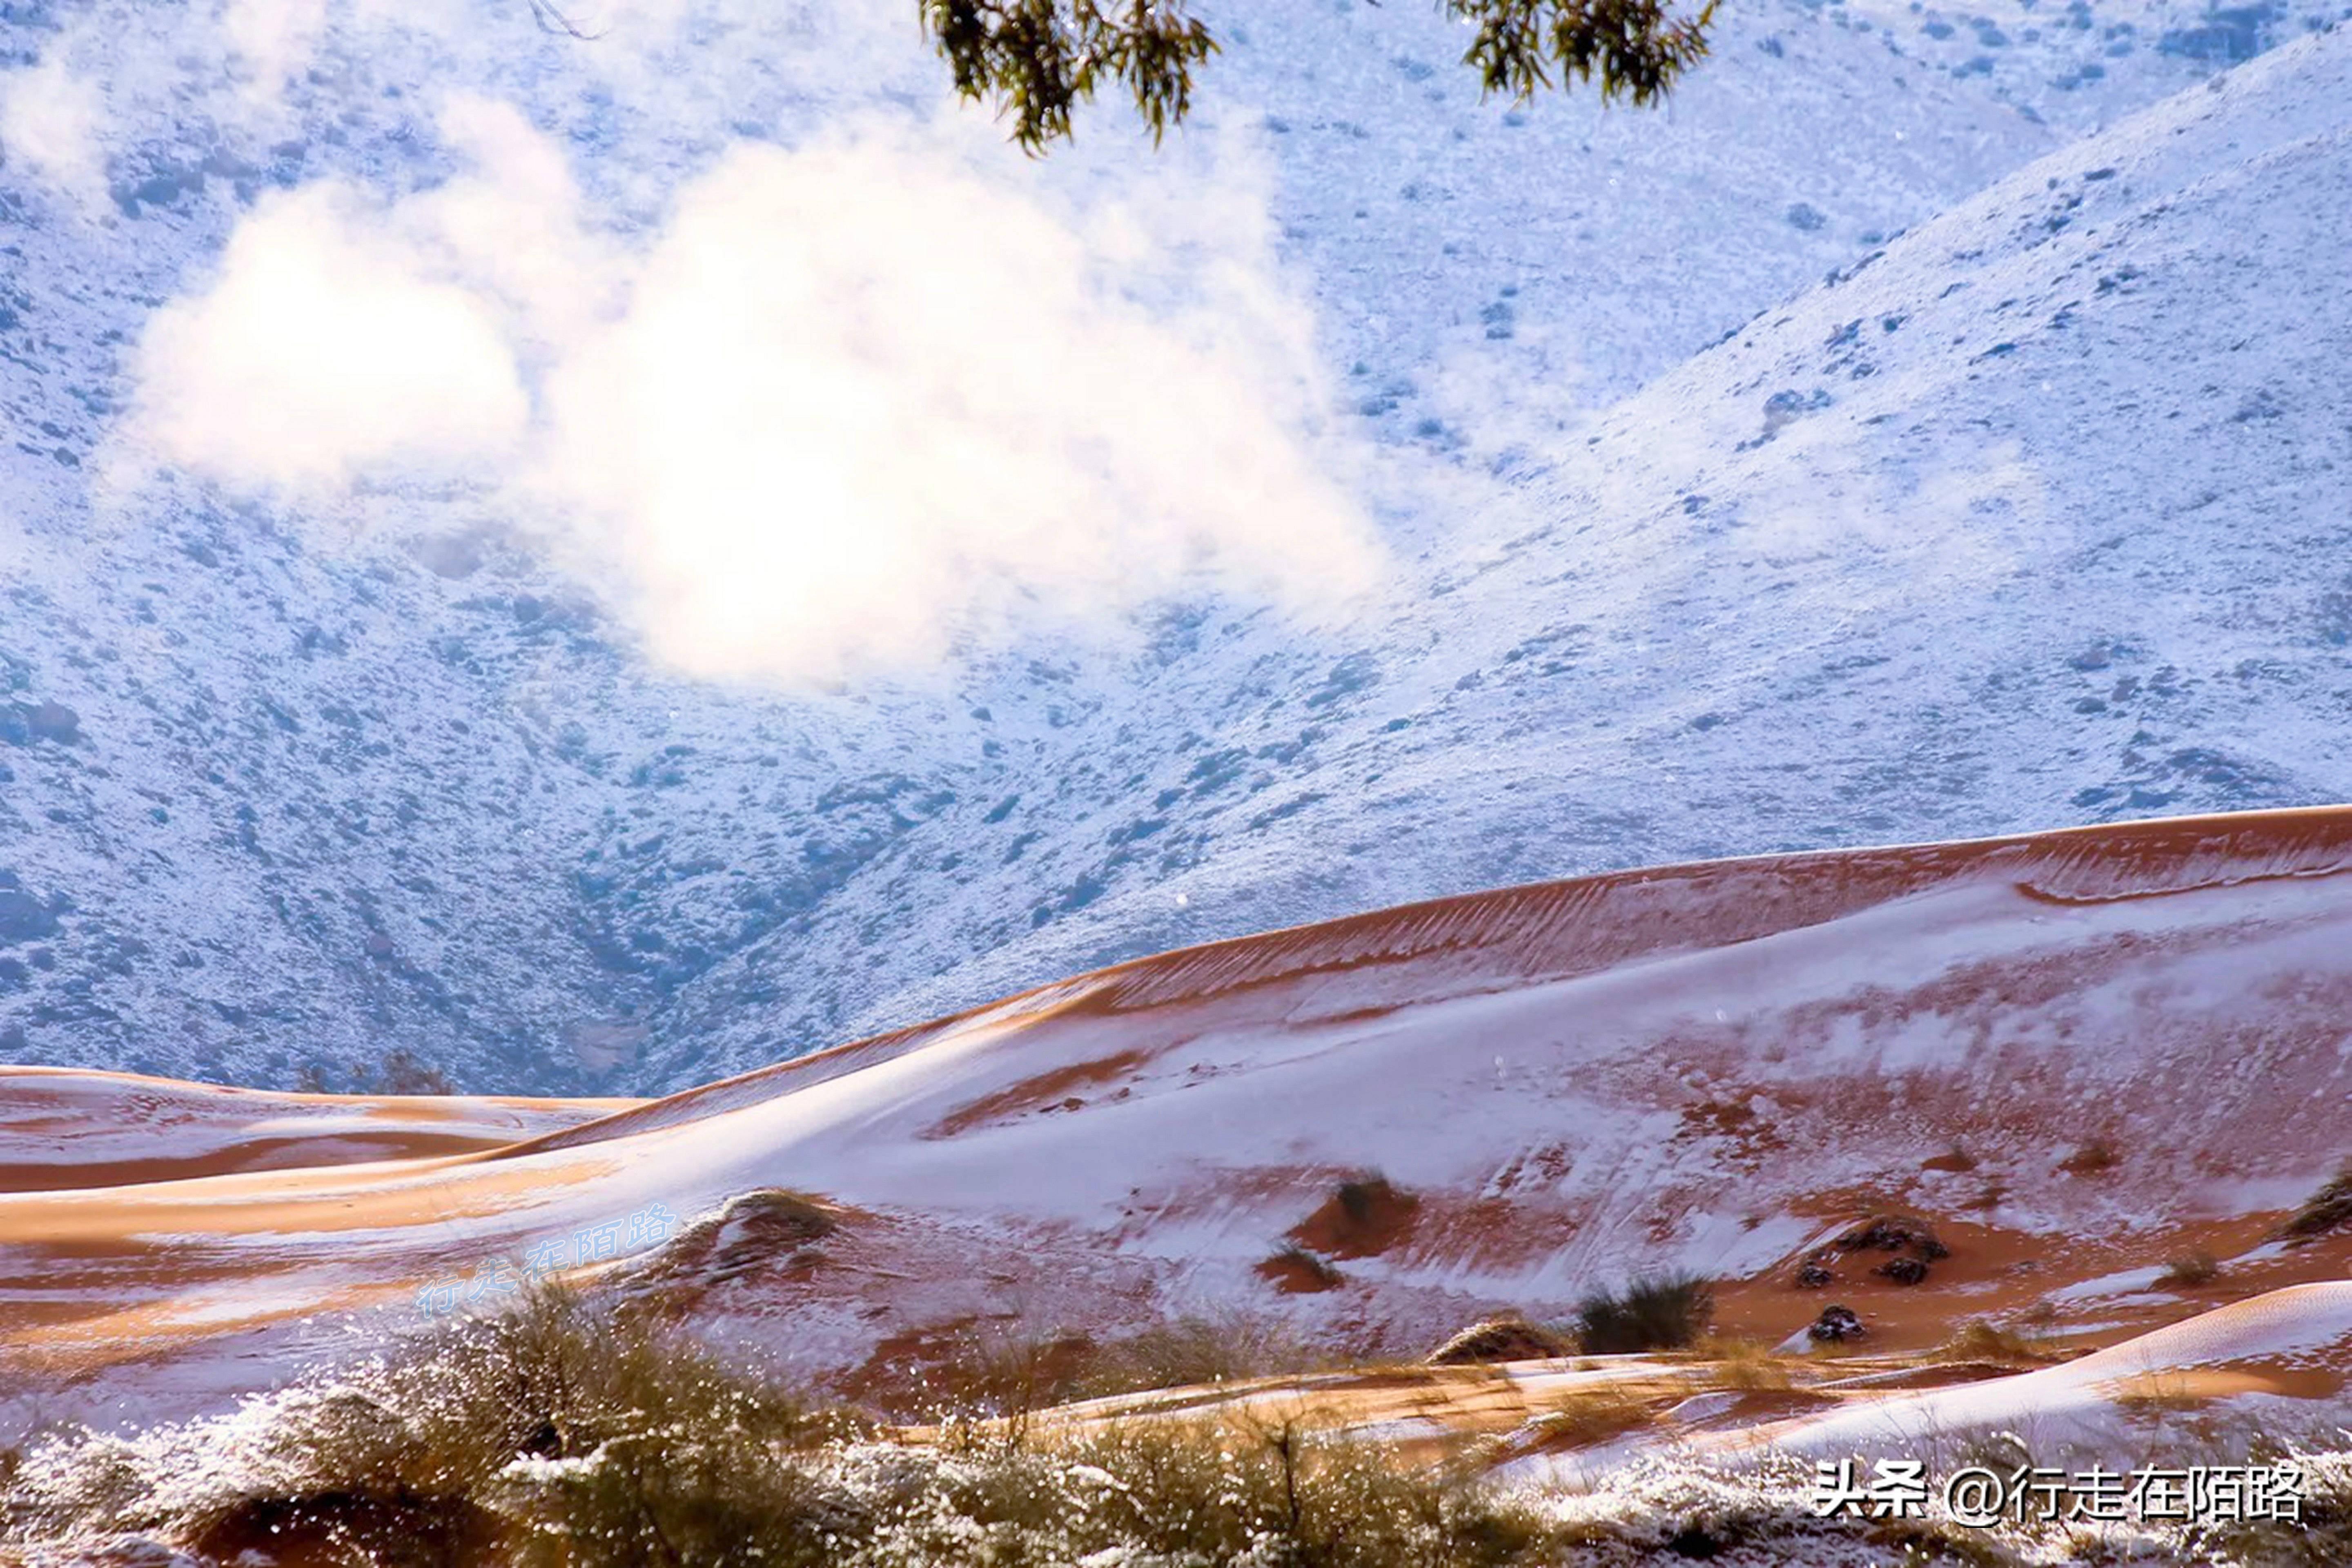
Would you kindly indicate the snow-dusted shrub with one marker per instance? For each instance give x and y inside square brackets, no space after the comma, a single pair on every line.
[1661,1314]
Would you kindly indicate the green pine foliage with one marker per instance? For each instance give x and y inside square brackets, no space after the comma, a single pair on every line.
[1035,61]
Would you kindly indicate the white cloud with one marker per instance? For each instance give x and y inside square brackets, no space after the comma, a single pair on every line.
[854,403]
[324,349]
[514,229]
[49,124]
[273,38]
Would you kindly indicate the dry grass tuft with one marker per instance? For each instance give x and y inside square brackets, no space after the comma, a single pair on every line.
[2327,1209]
[2185,1270]
[1502,1339]
[1580,1417]
[1981,1341]
[634,1446]
[1296,1270]
[1746,1365]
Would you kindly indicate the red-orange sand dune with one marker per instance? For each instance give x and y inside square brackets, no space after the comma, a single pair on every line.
[2080,1052]
[71,1127]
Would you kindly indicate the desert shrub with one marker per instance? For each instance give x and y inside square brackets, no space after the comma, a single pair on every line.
[2092,1158]
[661,1498]
[576,1371]
[562,1420]
[1979,1339]
[1270,1495]
[1748,1365]
[1012,1377]
[2192,1267]
[2325,1210]
[1364,1216]
[1297,1268]
[1158,1492]
[580,1431]
[1660,1314]
[1360,1197]
[1141,1492]
[2321,1538]
[402,1072]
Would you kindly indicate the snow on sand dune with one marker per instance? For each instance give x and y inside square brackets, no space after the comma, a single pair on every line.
[2277,1362]
[63,1127]
[1692,1066]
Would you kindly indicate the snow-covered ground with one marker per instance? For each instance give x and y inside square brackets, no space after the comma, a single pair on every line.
[2027,513]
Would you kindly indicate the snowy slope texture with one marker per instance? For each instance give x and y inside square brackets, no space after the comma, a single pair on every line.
[1974,569]
[2036,517]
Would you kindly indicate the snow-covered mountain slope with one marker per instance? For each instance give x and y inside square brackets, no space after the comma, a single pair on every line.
[270,801]
[1717,1066]
[1998,531]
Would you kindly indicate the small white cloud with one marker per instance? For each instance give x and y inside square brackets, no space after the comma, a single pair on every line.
[272,39]
[324,351]
[49,125]
[513,229]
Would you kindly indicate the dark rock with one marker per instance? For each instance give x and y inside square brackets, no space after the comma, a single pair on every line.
[1835,1326]
[1813,1276]
[54,721]
[1894,1233]
[1903,1270]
